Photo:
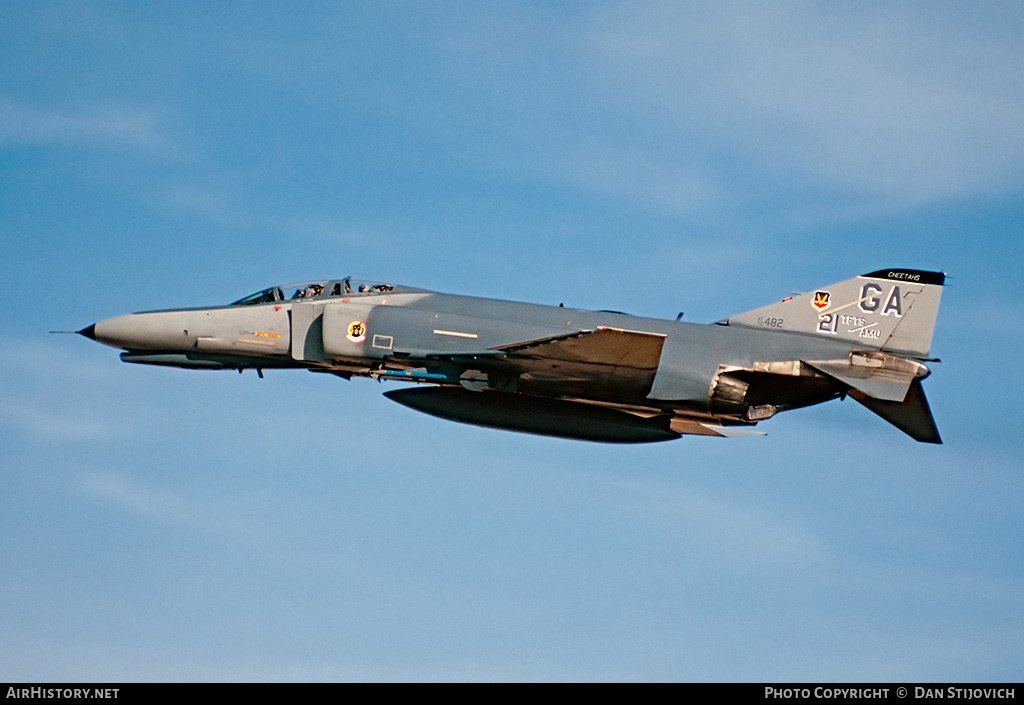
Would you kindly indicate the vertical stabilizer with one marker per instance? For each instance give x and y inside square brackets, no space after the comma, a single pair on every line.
[892,310]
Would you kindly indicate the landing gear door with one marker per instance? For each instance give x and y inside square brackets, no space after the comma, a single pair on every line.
[347,332]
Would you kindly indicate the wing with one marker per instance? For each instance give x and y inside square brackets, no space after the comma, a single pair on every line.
[552,374]
[606,363]
[605,346]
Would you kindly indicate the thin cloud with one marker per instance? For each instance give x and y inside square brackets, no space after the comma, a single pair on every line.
[48,361]
[54,426]
[224,518]
[719,529]
[101,126]
[30,401]
[898,109]
[638,176]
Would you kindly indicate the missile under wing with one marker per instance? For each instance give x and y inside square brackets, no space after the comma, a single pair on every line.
[573,373]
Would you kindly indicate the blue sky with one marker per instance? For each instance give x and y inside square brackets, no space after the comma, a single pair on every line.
[653,158]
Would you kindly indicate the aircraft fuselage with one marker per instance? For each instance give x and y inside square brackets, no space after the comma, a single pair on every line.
[522,366]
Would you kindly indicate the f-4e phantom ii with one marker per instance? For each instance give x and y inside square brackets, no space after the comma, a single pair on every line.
[589,375]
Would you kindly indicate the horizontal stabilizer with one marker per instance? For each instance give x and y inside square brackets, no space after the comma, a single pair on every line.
[912,415]
[604,346]
[876,374]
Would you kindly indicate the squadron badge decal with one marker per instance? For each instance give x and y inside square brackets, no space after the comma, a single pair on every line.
[821,300]
[356,331]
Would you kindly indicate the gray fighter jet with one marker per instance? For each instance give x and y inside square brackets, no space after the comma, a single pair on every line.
[590,375]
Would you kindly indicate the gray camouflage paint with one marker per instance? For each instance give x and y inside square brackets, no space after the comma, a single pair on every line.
[867,334]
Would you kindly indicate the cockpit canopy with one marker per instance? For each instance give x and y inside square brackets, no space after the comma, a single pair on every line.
[321,288]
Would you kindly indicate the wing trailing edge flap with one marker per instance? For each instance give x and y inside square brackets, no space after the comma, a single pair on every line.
[605,346]
[912,415]
[877,375]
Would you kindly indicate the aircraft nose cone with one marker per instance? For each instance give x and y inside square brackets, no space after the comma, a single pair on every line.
[126,331]
[152,330]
